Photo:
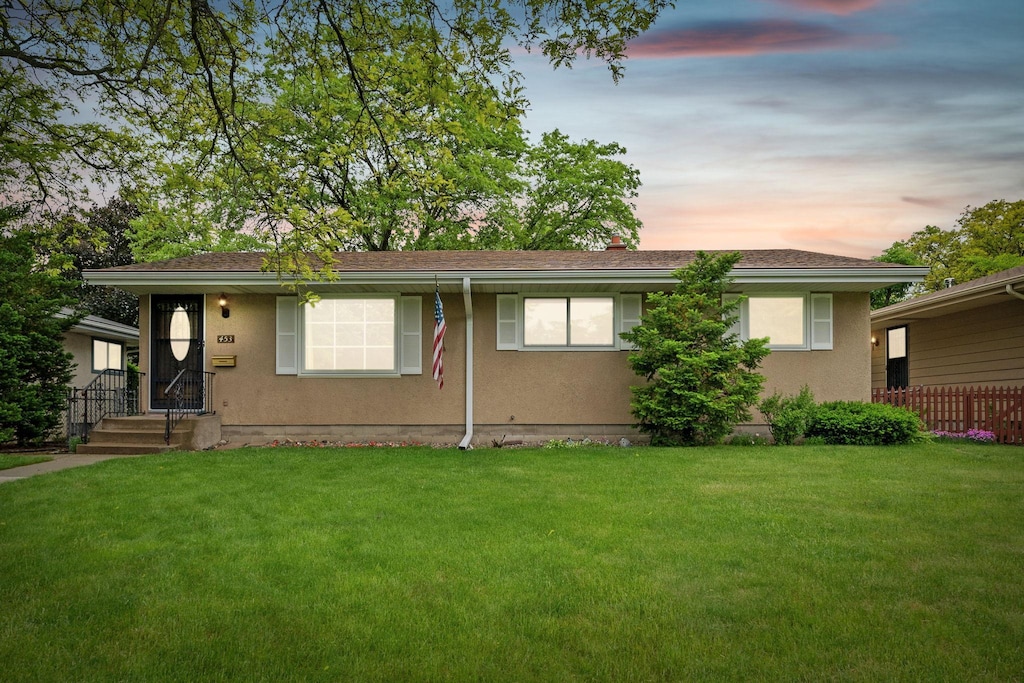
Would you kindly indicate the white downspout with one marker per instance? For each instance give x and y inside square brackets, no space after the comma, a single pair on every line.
[1013,292]
[467,299]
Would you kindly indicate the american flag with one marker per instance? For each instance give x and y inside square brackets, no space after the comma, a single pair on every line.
[439,329]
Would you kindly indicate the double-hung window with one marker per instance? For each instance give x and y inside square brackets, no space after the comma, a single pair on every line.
[791,322]
[107,355]
[349,336]
[542,322]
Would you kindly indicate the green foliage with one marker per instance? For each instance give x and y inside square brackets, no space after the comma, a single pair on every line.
[315,126]
[899,252]
[864,424]
[34,368]
[561,444]
[100,239]
[788,416]
[700,379]
[746,440]
[985,240]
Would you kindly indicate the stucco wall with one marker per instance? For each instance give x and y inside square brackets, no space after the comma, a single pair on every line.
[518,394]
[252,394]
[80,347]
[841,374]
[980,347]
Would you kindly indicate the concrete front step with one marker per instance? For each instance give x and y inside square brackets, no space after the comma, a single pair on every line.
[126,436]
[145,434]
[138,423]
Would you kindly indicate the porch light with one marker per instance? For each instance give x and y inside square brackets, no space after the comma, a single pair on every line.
[224,310]
[874,340]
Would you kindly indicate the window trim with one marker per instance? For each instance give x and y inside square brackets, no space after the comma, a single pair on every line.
[810,343]
[519,321]
[108,342]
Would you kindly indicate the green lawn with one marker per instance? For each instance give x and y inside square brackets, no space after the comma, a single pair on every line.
[8,461]
[759,563]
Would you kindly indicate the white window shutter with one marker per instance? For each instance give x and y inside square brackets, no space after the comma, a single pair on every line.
[287,335]
[737,327]
[630,312]
[508,322]
[821,321]
[411,362]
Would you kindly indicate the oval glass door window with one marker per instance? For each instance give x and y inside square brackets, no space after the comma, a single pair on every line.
[181,333]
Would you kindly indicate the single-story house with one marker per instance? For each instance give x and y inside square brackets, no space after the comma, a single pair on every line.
[97,344]
[967,334]
[532,349]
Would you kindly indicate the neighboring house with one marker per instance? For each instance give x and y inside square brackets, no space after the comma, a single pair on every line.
[98,344]
[967,334]
[532,349]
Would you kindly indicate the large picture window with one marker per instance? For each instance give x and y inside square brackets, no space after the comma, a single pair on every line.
[350,335]
[346,336]
[107,355]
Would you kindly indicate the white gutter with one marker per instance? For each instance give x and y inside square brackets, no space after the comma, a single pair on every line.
[870,277]
[936,301]
[467,298]
[93,324]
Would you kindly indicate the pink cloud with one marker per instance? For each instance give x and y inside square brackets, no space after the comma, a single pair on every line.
[737,38]
[832,6]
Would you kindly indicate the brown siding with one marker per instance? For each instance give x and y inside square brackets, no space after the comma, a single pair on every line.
[983,346]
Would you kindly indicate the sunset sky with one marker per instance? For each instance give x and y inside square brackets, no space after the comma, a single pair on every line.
[830,125]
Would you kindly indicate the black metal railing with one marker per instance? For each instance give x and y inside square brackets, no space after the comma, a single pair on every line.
[113,393]
[190,392]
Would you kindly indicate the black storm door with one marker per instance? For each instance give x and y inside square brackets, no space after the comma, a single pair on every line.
[176,334]
[897,361]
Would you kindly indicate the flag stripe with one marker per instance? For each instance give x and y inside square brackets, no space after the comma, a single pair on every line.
[439,330]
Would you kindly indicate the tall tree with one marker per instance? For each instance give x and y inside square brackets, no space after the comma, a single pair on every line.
[101,240]
[573,196]
[307,123]
[897,253]
[984,240]
[34,368]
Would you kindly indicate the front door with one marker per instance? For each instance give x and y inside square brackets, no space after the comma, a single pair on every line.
[897,363]
[176,334]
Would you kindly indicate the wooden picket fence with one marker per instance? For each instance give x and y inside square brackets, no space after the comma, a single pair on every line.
[999,410]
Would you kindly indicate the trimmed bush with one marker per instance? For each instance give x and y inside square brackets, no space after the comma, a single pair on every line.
[864,424]
[788,417]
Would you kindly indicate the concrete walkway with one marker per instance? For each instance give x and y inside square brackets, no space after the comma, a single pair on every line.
[61,461]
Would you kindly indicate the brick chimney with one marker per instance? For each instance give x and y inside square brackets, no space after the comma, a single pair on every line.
[616,244]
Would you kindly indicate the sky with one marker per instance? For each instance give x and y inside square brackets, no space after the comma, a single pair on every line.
[837,126]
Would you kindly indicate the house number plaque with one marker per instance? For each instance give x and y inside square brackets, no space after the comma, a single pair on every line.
[225,339]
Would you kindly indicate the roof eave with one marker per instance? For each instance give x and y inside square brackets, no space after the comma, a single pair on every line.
[870,278]
[929,307]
